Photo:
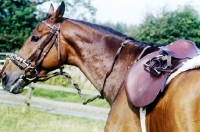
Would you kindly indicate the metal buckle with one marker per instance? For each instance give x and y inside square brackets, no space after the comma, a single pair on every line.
[155,65]
[33,73]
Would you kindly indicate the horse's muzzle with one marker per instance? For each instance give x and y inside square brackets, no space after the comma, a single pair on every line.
[16,86]
[4,81]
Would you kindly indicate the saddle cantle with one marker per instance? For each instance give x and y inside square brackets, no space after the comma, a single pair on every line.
[147,77]
[181,49]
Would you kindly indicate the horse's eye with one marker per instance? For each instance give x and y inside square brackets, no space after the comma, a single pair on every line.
[35,38]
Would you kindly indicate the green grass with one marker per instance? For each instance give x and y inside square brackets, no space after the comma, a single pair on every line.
[67,97]
[13,120]
[61,80]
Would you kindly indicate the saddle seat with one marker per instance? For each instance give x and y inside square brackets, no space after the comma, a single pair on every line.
[143,85]
[181,49]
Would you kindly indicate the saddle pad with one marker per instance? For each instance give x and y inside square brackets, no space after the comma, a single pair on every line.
[142,87]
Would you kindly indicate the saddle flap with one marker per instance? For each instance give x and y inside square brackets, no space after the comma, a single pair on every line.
[141,86]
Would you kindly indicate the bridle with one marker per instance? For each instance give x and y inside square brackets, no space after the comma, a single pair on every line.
[31,72]
[53,38]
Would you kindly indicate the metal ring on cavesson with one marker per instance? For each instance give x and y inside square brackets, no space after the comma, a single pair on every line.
[32,73]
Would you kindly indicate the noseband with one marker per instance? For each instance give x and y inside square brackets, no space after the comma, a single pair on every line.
[30,72]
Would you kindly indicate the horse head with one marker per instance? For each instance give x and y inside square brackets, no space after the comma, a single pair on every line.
[57,41]
[36,57]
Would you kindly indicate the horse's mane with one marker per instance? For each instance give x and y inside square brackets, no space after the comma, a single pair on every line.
[114,32]
[101,28]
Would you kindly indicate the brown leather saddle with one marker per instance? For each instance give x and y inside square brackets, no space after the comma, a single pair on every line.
[148,76]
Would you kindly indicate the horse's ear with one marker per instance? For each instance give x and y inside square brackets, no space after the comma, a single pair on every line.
[59,12]
[51,10]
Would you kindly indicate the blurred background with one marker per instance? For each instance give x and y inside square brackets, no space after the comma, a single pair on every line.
[157,21]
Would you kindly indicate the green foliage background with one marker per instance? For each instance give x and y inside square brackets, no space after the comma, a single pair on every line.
[165,27]
[17,20]
[19,17]
[169,26]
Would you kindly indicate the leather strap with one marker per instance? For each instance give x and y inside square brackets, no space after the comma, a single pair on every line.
[40,48]
[139,57]
[45,52]
[111,68]
[115,58]
[49,41]
[39,55]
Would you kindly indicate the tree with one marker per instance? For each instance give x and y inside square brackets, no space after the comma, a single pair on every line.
[19,17]
[168,26]
[80,9]
[17,20]
[121,27]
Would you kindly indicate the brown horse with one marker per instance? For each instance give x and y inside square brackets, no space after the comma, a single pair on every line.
[57,41]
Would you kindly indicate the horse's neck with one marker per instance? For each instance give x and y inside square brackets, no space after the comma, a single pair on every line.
[95,57]
[97,62]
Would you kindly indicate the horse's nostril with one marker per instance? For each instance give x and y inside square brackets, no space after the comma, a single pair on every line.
[4,75]
[4,78]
